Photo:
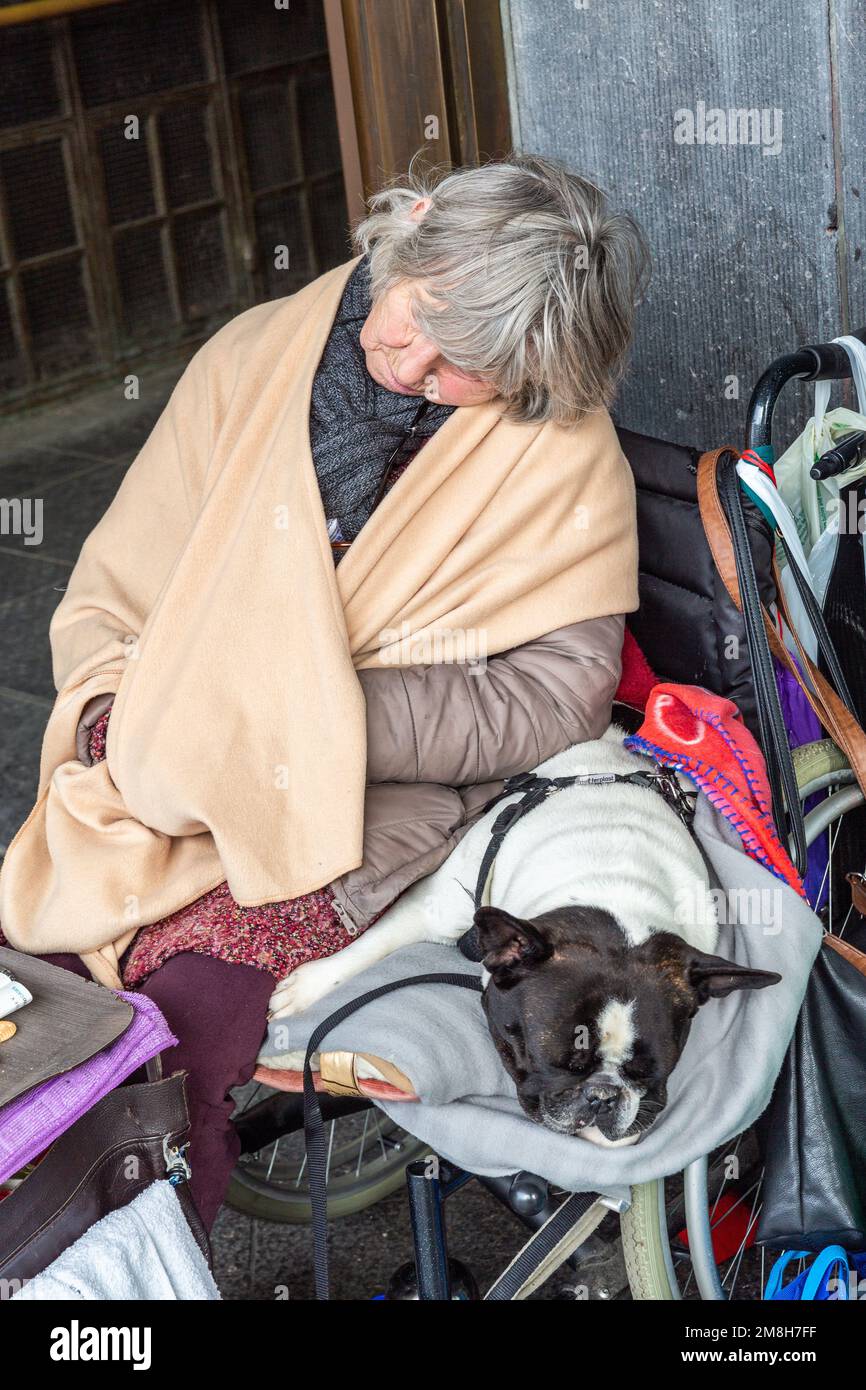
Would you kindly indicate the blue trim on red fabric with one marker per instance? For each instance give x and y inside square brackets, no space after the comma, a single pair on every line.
[723,794]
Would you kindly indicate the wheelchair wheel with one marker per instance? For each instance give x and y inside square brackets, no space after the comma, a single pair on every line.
[672,1232]
[367,1158]
[689,1236]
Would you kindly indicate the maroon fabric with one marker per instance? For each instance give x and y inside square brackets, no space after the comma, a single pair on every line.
[219,1013]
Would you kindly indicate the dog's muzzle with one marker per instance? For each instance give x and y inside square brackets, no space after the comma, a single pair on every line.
[601,1103]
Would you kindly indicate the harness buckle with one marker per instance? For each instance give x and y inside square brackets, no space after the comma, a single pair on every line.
[669,786]
[520,782]
[506,818]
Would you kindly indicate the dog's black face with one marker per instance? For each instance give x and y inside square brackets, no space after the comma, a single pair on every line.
[589,1027]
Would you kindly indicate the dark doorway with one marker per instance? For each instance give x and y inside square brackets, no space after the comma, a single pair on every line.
[163,165]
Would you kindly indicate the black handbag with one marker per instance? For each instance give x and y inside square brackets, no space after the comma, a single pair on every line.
[815,1126]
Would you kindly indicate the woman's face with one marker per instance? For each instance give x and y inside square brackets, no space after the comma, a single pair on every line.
[400,358]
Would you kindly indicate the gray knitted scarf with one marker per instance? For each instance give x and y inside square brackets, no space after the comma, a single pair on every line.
[356,424]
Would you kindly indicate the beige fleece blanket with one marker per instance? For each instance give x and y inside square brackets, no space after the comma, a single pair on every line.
[207,600]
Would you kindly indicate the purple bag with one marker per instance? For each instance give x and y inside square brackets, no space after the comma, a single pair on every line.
[802,726]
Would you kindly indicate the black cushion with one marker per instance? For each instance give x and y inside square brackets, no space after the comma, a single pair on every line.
[686,625]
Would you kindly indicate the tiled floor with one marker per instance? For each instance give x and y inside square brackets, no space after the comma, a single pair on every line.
[261,1260]
[73,456]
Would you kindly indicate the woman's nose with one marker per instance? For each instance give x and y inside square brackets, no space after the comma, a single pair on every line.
[415,362]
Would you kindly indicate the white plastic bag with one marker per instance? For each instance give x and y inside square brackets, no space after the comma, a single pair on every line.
[814,506]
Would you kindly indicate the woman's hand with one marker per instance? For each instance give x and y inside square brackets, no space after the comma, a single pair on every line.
[93,710]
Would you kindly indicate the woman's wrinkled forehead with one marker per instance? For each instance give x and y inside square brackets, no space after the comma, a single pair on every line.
[396,306]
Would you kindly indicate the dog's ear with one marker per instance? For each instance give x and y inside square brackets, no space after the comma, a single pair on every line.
[510,947]
[713,977]
[698,974]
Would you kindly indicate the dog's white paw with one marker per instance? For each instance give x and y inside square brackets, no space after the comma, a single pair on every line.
[304,987]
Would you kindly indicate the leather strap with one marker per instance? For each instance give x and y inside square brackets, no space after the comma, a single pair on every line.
[844,948]
[715,522]
[857,884]
[87,1173]
[831,712]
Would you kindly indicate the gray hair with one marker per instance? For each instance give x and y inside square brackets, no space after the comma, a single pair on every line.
[535,278]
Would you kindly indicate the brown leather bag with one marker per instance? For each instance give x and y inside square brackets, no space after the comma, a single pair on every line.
[129,1139]
[834,716]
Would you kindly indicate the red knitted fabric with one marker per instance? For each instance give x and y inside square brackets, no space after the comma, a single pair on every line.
[703,736]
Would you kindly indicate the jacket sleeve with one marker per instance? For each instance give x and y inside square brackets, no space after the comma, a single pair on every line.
[459,725]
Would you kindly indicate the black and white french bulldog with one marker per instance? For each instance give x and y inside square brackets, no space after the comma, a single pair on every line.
[598,946]
[588,1025]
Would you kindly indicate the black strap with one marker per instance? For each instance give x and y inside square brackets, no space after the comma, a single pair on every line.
[774,738]
[537,789]
[541,1245]
[822,634]
[314,1128]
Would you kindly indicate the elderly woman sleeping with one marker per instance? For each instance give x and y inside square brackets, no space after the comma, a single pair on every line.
[374,557]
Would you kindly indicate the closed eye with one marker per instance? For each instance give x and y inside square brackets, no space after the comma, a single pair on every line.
[640,1072]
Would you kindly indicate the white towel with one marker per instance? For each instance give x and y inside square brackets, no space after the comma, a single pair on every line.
[143,1251]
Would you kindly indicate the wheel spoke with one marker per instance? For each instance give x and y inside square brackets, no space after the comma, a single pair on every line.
[273,1158]
[826,872]
[831,850]
[841,931]
[724,1180]
[739,1202]
[737,1258]
[363,1140]
[381,1139]
[750,1196]
[300,1176]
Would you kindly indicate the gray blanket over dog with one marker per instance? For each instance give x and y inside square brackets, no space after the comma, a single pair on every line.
[468,1110]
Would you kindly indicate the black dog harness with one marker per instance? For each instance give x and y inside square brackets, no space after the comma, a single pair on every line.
[537,789]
